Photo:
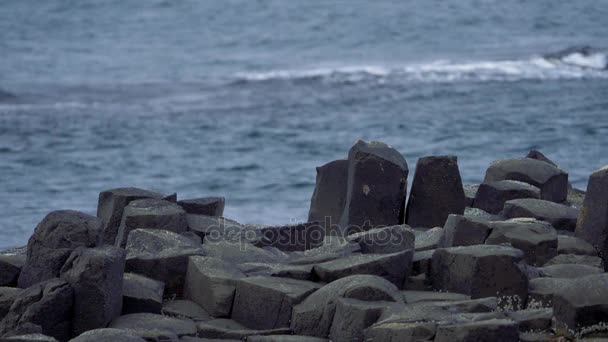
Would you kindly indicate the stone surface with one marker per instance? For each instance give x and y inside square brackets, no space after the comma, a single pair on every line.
[541,291]
[238,251]
[211,283]
[411,297]
[394,267]
[300,272]
[141,294]
[491,197]
[185,309]
[538,155]
[95,275]
[558,215]
[224,329]
[161,255]
[402,332]
[480,215]
[463,231]
[147,324]
[588,260]
[569,271]
[8,295]
[481,271]
[537,239]
[436,192]
[376,186]
[385,240]
[496,330]
[532,319]
[427,239]
[552,182]
[108,335]
[46,306]
[151,213]
[285,338]
[470,191]
[289,238]
[264,303]
[111,205]
[574,245]
[54,239]
[211,227]
[422,261]
[210,206]
[353,316]
[29,338]
[592,225]
[329,196]
[315,314]
[581,304]
[333,247]
[10,268]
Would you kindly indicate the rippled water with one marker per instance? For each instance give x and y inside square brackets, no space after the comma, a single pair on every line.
[244,98]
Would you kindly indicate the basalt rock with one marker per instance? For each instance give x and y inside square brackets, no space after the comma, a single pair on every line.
[181,308]
[141,294]
[95,274]
[151,213]
[8,295]
[436,192]
[573,245]
[542,290]
[532,319]
[289,238]
[161,255]
[491,197]
[470,192]
[108,335]
[552,182]
[537,239]
[592,225]
[560,216]
[10,268]
[111,205]
[214,228]
[210,206]
[54,239]
[498,330]
[588,260]
[353,316]
[427,239]
[385,240]
[376,186]
[151,326]
[462,231]
[224,329]
[538,155]
[329,196]
[568,271]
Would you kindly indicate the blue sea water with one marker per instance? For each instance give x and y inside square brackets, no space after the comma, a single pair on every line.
[244,98]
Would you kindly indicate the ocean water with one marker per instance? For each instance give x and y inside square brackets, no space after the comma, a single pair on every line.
[243,99]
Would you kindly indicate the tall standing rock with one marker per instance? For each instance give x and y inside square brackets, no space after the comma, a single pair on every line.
[376,186]
[552,182]
[327,202]
[96,275]
[111,205]
[592,224]
[54,239]
[436,192]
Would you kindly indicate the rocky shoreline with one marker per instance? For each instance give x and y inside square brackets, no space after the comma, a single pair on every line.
[519,257]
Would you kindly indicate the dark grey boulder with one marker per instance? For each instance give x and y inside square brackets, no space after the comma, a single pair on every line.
[436,192]
[412,297]
[470,192]
[10,268]
[385,240]
[108,335]
[541,291]
[491,197]
[111,205]
[46,306]
[225,329]
[394,267]
[481,271]
[537,239]
[289,238]
[151,326]
[238,251]
[376,187]
[285,338]
[588,260]
[353,316]
[299,272]
[151,213]
[211,283]
[538,155]
[8,295]
[161,255]
[264,303]
[421,261]
[427,239]
[329,196]
[210,206]
[34,337]
[213,228]
[560,216]
[141,294]
[532,319]
[333,247]
[581,305]
[313,317]
[480,215]
[96,275]
[402,332]
[463,231]
[592,225]
[552,182]
[568,271]
[574,245]
[496,330]
[180,308]
[54,239]
[543,336]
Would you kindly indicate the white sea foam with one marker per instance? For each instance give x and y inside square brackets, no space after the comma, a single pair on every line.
[573,66]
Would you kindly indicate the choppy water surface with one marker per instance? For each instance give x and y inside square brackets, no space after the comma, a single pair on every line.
[244,98]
